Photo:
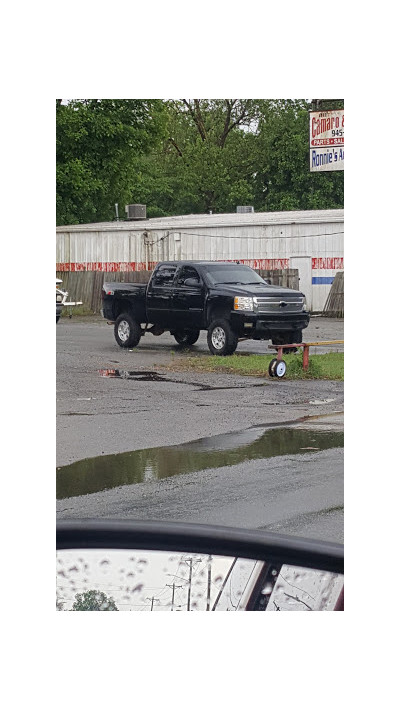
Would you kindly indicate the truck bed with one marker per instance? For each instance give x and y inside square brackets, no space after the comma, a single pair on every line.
[131,294]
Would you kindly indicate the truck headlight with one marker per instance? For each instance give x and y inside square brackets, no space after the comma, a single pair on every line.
[243,303]
[304,305]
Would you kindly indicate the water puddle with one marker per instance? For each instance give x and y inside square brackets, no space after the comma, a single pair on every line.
[146,375]
[152,376]
[106,472]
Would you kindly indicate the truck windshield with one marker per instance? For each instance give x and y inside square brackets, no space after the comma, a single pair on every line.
[232,274]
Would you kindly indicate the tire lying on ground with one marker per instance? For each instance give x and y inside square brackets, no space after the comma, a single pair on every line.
[186,337]
[221,339]
[127,331]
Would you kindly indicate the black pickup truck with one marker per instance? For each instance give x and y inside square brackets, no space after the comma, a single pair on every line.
[229,300]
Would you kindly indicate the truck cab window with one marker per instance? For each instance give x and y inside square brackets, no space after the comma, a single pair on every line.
[186,272]
[165,275]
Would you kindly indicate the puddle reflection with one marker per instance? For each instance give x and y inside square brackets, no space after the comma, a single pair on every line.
[106,472]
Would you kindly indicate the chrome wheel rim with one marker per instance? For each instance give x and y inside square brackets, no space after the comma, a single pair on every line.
[123,331]
[218,338]
[280,368]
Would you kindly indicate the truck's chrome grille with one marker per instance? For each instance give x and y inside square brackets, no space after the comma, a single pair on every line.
[274,304]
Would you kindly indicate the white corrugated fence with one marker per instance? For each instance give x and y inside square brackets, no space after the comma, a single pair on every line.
[310,241]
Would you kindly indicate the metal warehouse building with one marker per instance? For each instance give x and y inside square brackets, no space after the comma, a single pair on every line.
[310,241]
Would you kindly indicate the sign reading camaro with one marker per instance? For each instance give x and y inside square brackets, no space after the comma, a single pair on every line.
[327,140]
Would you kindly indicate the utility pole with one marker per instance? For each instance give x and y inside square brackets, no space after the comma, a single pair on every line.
[190,561]
[152,601]
[173,586]
[209,559]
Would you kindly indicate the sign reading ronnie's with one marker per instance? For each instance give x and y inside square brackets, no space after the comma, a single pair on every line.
[327,140]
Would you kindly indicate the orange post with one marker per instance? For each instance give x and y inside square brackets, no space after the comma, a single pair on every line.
[306,356]
[305,347]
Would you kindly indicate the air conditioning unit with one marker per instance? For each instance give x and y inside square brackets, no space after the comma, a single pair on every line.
[135,212]
[244,208]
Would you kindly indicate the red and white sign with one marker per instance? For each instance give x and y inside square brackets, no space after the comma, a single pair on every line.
[327,263]
[327,140]
[326,128]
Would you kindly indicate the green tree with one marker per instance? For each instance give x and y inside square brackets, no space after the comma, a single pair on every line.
[326,104]
[98,142]
[94,600]
[188,156]
[226,152]
[205,161]
[284,180]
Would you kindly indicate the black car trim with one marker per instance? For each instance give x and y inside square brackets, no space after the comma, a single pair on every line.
[200,538]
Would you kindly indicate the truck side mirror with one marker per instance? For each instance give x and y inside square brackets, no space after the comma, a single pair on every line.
[191,282]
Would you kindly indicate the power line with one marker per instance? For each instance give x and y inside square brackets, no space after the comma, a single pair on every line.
[216,601]
[197,234]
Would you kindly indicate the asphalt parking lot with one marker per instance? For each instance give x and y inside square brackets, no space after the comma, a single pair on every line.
[166,416]
[98,415]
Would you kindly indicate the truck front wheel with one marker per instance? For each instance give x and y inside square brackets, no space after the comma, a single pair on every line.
[127,331]
[221,339]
